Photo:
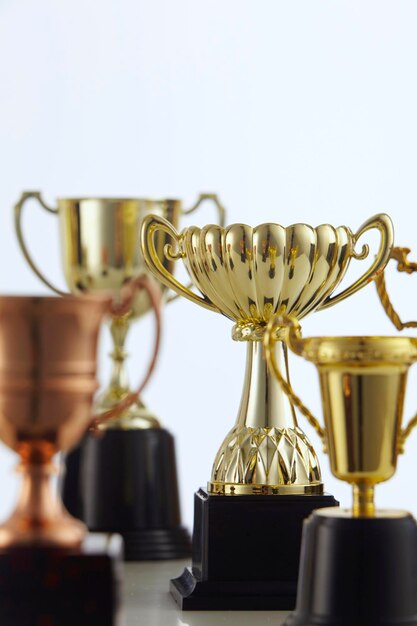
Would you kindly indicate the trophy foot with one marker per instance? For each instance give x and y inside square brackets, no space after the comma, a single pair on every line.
[62,531]
[53,586]
[357,570]
[40,518]
[136,417]
[246,552]
[126,482]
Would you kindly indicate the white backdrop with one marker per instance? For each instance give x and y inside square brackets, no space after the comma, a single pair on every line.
[291,111]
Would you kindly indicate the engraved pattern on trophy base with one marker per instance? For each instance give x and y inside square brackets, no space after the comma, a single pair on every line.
[250,456]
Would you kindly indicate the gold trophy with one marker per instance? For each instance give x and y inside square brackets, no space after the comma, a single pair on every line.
[357,566]
[50,569]
[101,254]
[248,274]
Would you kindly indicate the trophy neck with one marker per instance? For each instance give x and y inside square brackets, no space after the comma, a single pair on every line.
[264,404]
[137,416]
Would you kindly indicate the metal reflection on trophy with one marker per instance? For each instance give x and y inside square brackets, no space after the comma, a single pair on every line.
[101,254]
[249,274]
[363,552]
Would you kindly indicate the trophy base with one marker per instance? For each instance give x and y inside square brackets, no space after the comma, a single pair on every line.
[126,482]
[246,552]
[62,587]
[360,571]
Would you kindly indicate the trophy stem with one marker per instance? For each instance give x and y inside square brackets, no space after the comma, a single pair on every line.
[264,404]
[39,518]
[363,500]
[119,381]
[136,416]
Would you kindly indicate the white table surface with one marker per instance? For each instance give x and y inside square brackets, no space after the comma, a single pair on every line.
[147,601]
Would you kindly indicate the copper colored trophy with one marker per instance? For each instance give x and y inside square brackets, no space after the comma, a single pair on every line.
[47,384]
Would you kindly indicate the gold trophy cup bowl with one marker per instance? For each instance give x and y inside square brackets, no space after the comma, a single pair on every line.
[363,573]
[47,384]
[248,275]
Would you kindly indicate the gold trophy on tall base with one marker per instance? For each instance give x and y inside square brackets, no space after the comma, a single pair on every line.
[357,566]
[51,570]
[127,480]
[266,477]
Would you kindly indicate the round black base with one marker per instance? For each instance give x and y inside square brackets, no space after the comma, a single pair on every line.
[157,545]
[357,572]
[126,482]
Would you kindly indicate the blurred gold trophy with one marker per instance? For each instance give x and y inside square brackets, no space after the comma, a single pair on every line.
[101,254]
[357,566]
[248,274]
[47,383]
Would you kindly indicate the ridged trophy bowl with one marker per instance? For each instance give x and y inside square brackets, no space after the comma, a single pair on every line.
[249,274]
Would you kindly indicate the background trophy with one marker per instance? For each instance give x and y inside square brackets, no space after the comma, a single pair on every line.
[51,571]
[126,481]
[266,477]
[359,566]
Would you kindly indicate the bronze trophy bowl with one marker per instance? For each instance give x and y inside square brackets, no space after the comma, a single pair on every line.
[47,385]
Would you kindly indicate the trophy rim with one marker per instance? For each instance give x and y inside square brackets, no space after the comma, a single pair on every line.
[88,297]
[116,199]
[360,349]
[245,225]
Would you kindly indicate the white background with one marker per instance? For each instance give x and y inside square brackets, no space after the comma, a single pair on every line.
[291,111]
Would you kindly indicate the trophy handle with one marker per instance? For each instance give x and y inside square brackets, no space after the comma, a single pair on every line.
[122,310]
[404,265]
[295,341]
[221,219]
[26,195]
[152,224]
[383,224]
[405,433]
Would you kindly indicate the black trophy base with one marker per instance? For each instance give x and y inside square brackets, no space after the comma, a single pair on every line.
[126,482]
[53,587]
[157,545]
[357,572]
[246,552]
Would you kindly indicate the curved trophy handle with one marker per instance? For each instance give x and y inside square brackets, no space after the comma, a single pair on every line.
[383,224]
[152,224]
[221,215]
[405,433]
[295,342]
[404,265]
[26,195]
[141,282]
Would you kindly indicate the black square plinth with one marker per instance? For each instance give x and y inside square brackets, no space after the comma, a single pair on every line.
[246,552]
[50,587]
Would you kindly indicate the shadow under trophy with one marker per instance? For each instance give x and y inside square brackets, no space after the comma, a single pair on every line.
[126,481]
[357,566]
[266,477]
[51,570]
